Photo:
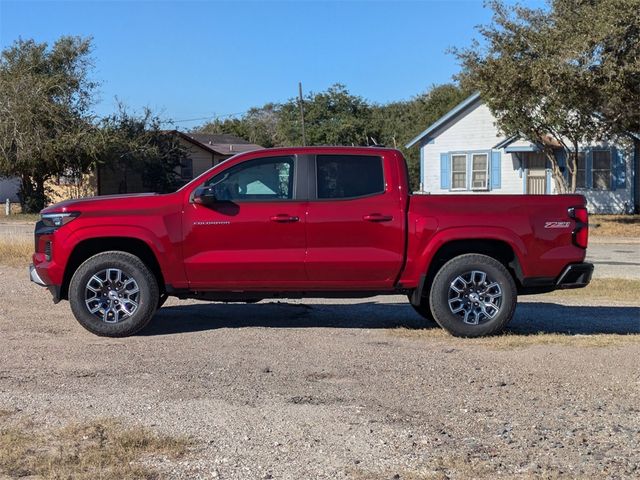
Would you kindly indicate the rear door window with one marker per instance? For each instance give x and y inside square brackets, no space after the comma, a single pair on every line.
[349,176]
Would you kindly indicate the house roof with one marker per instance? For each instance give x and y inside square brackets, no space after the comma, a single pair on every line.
[220,143]
[506,142]
[449,116]
[472,101]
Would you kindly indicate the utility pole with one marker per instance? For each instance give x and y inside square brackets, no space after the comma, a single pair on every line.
[304,138]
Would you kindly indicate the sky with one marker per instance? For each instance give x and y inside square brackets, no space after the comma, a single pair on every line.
[191,61]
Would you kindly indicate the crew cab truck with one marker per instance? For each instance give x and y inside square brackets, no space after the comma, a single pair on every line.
[309,222]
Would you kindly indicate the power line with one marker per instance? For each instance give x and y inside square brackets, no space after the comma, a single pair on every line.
[210,117]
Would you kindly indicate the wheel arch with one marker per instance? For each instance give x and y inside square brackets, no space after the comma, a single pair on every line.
[498,249]
[92,246]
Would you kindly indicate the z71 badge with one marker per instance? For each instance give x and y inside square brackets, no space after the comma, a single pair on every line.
[557,224]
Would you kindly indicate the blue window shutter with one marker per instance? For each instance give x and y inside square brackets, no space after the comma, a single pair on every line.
[445,171]
[618,169]
[561,158]
[496,170]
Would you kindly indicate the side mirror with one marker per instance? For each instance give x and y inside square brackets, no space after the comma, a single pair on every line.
[205,195]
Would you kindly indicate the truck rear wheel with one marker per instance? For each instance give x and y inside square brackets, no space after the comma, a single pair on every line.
[113,294]
[473,295]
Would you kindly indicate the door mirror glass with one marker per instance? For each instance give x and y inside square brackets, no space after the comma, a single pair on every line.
[205,195]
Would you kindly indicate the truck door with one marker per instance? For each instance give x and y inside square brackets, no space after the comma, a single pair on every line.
[253,235]
[355,224]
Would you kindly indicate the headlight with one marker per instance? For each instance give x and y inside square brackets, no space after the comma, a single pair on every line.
[57,220]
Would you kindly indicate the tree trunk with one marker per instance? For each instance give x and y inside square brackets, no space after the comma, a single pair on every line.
[572,165]
[558,177]
[32,194]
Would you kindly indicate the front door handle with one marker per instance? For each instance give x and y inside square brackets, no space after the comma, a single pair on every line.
[377,217]
[284,218]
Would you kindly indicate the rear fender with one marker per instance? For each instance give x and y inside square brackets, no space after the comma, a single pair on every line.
[427,248]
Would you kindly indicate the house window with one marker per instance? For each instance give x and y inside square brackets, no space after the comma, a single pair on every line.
[458,172]
[601,171]
[186,169]
[581,166]
[479,171]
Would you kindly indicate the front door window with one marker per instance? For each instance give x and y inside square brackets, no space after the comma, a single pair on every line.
[265,179]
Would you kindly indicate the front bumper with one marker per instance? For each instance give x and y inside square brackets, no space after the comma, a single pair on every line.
[35,278]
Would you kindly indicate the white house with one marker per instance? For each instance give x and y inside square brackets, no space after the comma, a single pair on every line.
[464,152]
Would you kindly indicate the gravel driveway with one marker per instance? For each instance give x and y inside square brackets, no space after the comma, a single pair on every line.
[334,389]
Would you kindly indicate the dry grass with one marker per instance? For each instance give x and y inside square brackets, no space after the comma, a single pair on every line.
[20,218]
[508,340]
[601,290]
[614,226]
[15,250]
[604,290]
[103,449]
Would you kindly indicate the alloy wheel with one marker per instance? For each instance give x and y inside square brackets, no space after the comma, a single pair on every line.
[112,295]
[474,297]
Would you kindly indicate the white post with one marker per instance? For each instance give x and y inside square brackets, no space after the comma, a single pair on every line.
[7,208]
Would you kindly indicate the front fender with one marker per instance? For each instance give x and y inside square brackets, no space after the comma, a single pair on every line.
[165,249]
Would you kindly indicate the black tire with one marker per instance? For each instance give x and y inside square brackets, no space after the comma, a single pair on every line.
[456,287]
[132,268]
[424,310]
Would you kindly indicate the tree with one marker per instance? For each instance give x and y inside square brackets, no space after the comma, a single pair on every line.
[45,97]
[332,117]
[258,125]
[127,143]
[336,117]
[399,122]
[561,76]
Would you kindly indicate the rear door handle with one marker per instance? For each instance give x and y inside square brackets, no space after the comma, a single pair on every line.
[377,217]
[284,218]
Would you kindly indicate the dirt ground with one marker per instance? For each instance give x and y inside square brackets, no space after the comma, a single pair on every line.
[340,389]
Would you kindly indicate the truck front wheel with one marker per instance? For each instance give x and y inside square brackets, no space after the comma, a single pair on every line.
[424,309]
[113,294]
[473,295]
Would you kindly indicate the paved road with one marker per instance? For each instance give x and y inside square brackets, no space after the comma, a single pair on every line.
[615,260]
[612,260]
[12,229]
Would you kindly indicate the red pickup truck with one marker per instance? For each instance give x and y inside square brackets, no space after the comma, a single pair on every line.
[309,222]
